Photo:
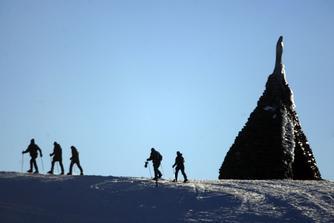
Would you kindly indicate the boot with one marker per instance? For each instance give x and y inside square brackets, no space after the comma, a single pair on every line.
[50,172]
[29,171]
[36,172]
[69,173]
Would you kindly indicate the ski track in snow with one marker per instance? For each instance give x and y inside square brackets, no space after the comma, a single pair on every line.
[45,198]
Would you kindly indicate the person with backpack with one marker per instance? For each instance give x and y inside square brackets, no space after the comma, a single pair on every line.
[156,158]
[179,163]
[57,157]
[75,160]
[33,151]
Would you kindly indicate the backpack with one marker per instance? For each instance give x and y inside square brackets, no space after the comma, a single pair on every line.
[159,156]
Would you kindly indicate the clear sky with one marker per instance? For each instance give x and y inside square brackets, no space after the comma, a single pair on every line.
[115,78]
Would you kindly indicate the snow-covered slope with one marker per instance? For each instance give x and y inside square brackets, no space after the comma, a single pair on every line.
[42,198]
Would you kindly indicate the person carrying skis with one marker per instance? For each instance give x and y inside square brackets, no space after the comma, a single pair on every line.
[57,157]
[75,160]
[179,163]
[33,151]
[156,158]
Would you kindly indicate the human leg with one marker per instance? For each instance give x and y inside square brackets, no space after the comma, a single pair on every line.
[80,168]
[176,173]
[35,165]
[61,166]
[31,164]
[71,166]
[52,166]
[156,174]
[184,174]
[159,174]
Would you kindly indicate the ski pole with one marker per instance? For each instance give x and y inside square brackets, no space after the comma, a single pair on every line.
[42,163]
[149,170]
[51,162]
[162,169]
[22,160]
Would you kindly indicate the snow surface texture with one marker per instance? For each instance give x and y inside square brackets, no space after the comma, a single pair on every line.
[45,198]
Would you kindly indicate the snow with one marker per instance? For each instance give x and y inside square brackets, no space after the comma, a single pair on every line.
[269,108]
[288,137]
[45,198]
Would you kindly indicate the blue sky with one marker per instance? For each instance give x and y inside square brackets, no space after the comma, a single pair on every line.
[115,78]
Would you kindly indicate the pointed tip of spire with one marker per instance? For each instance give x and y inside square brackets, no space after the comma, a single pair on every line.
[279,48]
[280,39]
[279,52]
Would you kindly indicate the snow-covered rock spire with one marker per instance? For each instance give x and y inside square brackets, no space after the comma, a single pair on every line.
[272,144]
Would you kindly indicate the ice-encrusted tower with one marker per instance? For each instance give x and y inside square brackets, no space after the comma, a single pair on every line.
[272,144]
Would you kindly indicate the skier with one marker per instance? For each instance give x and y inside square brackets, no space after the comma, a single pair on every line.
[33,151]
[57,157]
[75,160]
[179,163]
[156,158]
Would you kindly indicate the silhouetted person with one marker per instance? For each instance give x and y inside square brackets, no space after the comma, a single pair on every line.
[75,160]
[33,151]
[179,163]
[156,158]
[57,157]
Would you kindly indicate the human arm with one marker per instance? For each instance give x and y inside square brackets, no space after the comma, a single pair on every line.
[175,163]
[40,151]
[150,158]
[27,150]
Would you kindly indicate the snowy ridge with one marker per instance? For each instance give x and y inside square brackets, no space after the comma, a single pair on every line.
[45,198]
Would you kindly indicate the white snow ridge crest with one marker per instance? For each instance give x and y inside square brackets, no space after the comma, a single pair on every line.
[43,198]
